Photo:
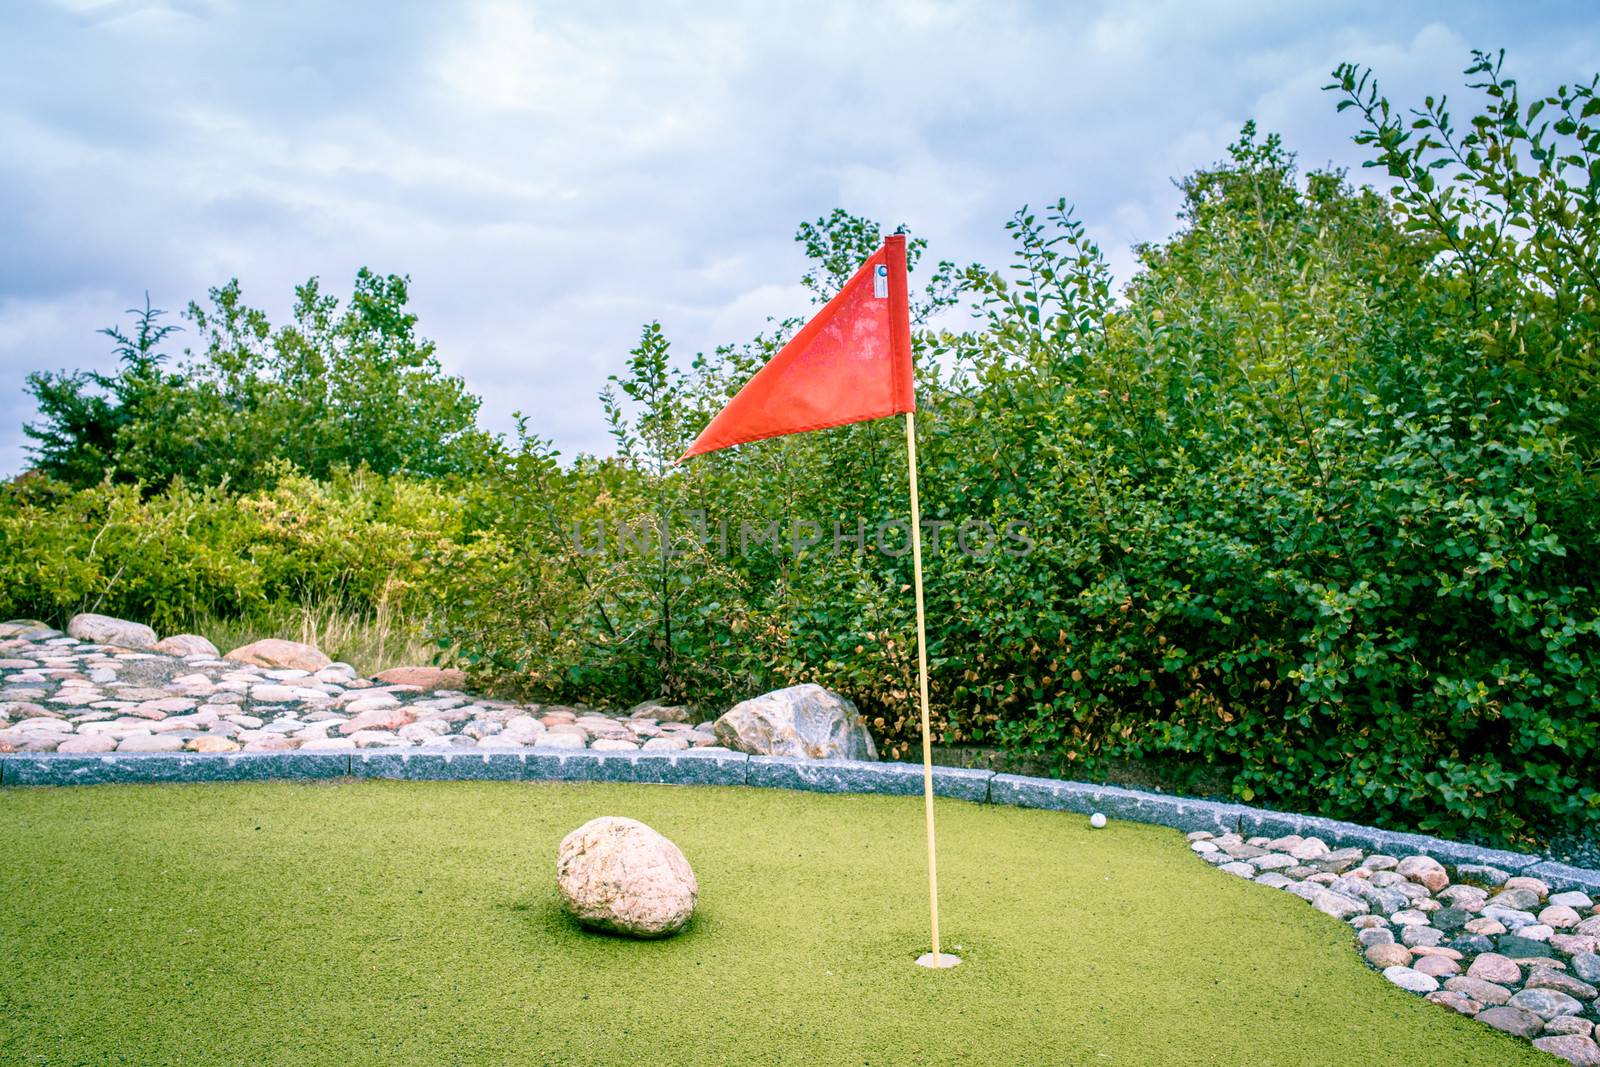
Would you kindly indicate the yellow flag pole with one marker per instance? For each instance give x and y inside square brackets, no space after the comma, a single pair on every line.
[934,958]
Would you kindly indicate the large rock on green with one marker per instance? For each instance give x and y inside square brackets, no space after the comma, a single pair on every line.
[105,630]
[621,876]
[805,721]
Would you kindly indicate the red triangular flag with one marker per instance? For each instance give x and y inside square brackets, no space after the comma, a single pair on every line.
[849,364]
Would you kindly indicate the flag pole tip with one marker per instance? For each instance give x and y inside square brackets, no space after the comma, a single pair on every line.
[945,961]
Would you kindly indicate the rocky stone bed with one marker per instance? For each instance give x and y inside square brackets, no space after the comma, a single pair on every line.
[1506,948]
[1475,939]
[62,694]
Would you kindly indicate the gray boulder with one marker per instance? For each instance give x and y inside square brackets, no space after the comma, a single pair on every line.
[105,630]
[805,721]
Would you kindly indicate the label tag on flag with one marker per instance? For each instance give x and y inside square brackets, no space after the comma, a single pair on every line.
[880,282]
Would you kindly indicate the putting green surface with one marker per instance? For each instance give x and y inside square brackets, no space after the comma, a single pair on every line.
[416,923]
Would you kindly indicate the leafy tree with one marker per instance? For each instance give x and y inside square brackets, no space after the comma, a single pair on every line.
[337,387]
[84,412]
[1508,206]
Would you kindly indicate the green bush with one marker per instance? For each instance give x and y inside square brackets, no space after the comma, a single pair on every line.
[182,553]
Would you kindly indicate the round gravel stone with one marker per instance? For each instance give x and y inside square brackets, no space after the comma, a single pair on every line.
[1483,992]
[1456,1002]
[1576,1050]
[1521,947]
[1436,966]
[1515,1021]
[1546,1003]
[1492,967]
[1384,956]
[1471,944]
[1406,978]
[1561,982]
[1415,936]
[1517,899]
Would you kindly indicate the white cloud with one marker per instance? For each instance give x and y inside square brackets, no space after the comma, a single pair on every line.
[756,310]
[49,335]
[553,176]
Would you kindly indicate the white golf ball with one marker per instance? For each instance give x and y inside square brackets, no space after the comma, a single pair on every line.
[1097,821]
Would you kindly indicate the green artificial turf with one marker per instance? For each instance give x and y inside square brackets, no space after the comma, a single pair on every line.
[416,923]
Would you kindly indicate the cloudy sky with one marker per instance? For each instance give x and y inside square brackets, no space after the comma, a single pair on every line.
[552,175]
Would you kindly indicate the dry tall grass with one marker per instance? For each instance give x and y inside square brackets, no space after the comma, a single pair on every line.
[370,641]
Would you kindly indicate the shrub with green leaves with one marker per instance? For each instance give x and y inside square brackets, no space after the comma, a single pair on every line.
[1303,511]
[169,557]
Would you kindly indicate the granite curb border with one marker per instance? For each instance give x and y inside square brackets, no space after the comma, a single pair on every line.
[692,767]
